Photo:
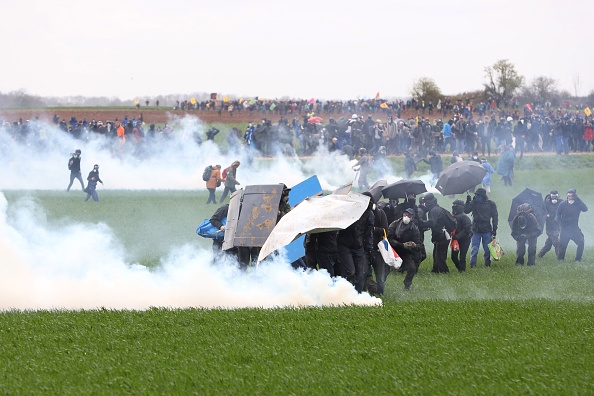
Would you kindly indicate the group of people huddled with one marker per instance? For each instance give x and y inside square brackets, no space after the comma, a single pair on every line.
[353,253]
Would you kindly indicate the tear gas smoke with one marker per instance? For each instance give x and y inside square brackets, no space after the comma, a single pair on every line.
[81,266]
[175,162]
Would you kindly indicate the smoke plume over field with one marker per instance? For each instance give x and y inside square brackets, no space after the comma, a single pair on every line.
[39,161]
[82,266]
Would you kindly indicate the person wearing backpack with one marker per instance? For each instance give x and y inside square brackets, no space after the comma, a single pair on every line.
[525,230]
[213,182]
[230,178]
[440,236]
[485,220]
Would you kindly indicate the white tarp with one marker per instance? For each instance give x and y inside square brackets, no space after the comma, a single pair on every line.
[315,214]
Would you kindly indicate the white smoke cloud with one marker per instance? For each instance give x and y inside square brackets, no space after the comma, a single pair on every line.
[174,163]
[82,266]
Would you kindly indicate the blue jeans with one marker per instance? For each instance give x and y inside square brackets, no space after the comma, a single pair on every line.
[475,243]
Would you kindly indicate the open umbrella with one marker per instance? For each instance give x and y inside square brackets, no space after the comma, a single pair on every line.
[315,214]
[401,188]
[376,189]
[534,198]
[315,120]
[460,177]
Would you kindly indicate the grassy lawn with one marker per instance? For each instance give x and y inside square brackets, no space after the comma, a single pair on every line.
[503,330]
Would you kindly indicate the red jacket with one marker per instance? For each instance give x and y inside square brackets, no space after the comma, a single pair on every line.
[588,133]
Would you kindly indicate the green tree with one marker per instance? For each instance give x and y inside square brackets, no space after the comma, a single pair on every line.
[502,80]
[426,89]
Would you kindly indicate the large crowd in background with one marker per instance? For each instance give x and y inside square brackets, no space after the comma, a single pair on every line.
[306,125]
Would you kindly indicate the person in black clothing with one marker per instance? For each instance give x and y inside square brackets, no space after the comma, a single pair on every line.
[376,261]
[485,220]
[525,230]
[410,166]
[355,243]
[436,223]
[568,215]
[551,204]
[321,251]
[217,221]
[404,236]
[74,166]
[462,234]
[436,165]
[92,179]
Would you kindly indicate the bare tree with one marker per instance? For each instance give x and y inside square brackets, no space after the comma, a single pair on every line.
[576,84]
[540,89]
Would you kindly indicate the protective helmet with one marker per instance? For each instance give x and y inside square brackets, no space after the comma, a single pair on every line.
[362,150]
[77,151]
[509,119]
[354,117]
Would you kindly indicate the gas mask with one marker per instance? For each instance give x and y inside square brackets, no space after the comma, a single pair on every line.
[554,199]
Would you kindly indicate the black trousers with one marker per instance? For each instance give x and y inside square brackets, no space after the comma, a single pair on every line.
[572,234]
[440,255]
[459,257]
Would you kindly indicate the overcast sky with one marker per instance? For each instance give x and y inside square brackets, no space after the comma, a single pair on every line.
[269,48]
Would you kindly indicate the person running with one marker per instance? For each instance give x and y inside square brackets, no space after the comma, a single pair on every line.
[74,166]
[93,179]
[212,183]
[230,178]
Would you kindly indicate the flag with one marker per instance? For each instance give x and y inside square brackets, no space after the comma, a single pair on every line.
[377,95]
[588,112]
[383,105]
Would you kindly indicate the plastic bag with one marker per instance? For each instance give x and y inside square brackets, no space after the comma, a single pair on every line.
[455,245]
[388,253]
[207,230]
[496,250]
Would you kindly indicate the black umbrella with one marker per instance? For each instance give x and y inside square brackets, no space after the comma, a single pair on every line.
[376,189]
[534,198]
[401,188]
[460,177]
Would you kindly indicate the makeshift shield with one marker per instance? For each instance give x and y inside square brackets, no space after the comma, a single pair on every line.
[252,215]
[315,214]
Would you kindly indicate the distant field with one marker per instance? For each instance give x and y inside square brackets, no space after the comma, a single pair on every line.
[504,330]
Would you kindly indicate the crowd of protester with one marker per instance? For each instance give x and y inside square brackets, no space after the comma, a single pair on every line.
[305,125]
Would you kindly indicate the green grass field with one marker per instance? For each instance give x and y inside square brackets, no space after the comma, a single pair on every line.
[501,330]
